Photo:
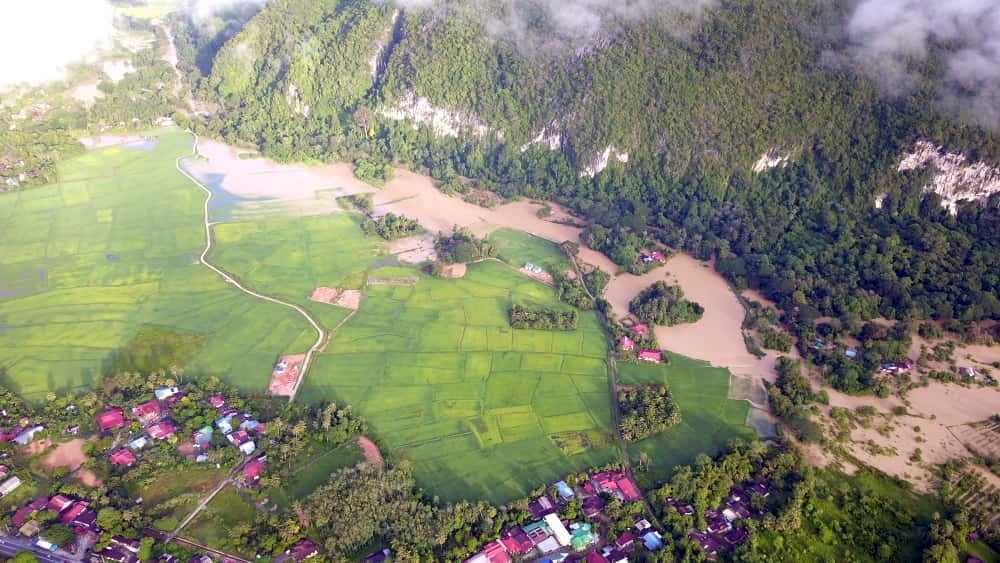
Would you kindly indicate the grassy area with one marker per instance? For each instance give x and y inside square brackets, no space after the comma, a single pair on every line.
[212,525]
[709,420]
[88,262]
[481,410]
[518,248]
[314,469]
[178,497]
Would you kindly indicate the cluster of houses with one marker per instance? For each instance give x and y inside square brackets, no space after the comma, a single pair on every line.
[153,416]
[627,344]
[72,512]
[720,533]
[549,538]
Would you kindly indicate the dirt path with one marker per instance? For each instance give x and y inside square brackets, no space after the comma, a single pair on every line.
[201,506]
[320,333]
[371,452]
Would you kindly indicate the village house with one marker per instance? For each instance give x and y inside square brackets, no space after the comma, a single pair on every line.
[541,507]
[652,356]
[22,514]
[166,393]
[217,401]
[897,367]
[111,419]
[564,490]
[252,472]
[126,544]
[8,486]
[618,484]
[493,552]
[639,329]
[559,531]
[595,557]
[162,430]
[59,503]
[139,443]
[516,541]
[25,436]
[626,344]
[379,556]
[123,457]
[592,506]
[148,412]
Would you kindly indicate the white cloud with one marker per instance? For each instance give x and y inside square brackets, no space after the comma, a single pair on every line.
[39,38]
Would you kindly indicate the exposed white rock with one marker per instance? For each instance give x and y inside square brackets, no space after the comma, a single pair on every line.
[602,159]
[295,102]
[954,180]
[771,159]
[546,136]
[442,121]
[880,199]
[375,61]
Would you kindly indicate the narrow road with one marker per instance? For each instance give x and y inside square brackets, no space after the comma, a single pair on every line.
[320,333]
[201,506]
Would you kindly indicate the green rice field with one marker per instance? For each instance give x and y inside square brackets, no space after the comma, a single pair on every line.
[110,249]
[709,420]
[517,248]
[481,411]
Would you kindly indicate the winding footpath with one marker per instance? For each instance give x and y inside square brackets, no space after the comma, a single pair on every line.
[320,333]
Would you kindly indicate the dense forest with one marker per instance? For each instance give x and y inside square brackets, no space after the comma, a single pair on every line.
[645,411]
[664,304]
[323,80]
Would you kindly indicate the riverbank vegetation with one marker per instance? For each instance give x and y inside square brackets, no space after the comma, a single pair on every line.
[391,226]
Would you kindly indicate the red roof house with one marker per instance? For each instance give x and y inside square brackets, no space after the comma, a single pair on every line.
[516,541]
[124,457]
[252,471]
[628,489]
[618,483]
[592,506]
[237,438]
[217,401]
[147,412]
[595,557]
[639,329]
[161,430]
[59,503]
[493,552]
[626,343]
[26,511]
[74,511]
[111,419]
[654,356]
[625,540]
[658,256]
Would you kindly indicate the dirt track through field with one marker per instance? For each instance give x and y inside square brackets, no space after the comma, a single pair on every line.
[320,333]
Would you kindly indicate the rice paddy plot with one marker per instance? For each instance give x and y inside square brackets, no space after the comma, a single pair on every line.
[519,248]
[89,261]
[709,419]
[482,411]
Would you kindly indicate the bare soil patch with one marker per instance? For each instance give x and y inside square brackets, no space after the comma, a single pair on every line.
[455,271]
[541,275]
[346,298]
[415,249]
[370,450]
[37,447]
[70,455]
[286,374]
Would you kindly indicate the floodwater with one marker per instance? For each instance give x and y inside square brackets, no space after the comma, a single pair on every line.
[716,338]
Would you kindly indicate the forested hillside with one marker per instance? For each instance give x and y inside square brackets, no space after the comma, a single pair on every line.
[690,111]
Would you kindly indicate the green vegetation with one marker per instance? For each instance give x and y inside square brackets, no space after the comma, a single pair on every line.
[664,304]
[86,265]
[646,410]
[479,409]
[518,248]
[391,226]
[314,469]
[709,419]
[789,396]
[462,247]
[748,79]
[213,526]
[542,318]
[375,173]
[154,349]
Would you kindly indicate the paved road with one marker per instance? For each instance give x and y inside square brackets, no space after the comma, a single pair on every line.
[320,333]
[10,547]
